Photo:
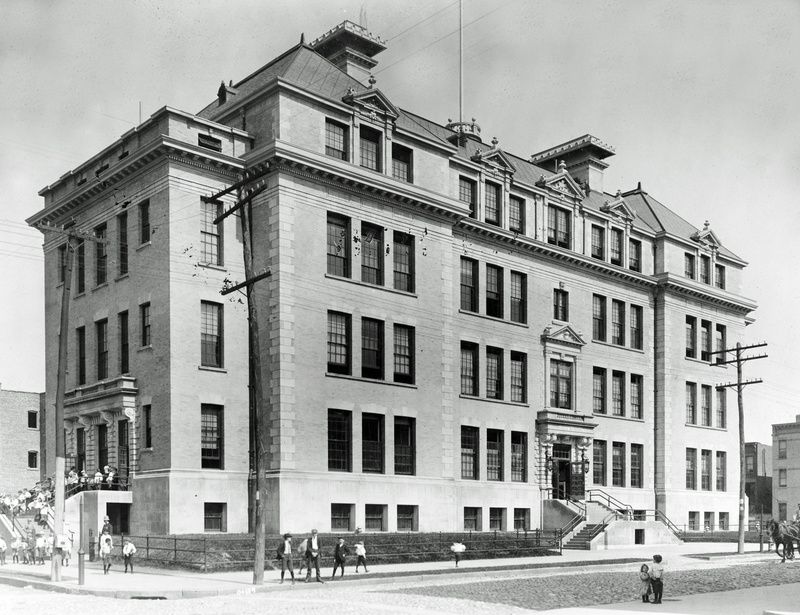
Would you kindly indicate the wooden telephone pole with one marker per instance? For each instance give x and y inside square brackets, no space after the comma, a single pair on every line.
[74,236]
[738,358]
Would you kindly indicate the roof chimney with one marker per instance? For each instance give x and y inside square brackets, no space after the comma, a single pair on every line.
[583,158]
[350,47]
[225,92]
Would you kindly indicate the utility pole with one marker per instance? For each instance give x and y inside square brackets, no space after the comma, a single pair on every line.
[738,359]
[73,236]
[245,205]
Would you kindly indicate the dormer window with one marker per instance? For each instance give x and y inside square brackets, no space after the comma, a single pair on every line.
[336,140]
[370,148]
[209,142]
[615,250]
[558,227]
[401,163]
[516,214]
[492,204]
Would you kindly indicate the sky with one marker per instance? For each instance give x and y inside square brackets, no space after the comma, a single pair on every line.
[699,99]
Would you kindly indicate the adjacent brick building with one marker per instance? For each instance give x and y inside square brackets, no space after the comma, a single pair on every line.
[452,333]
[20,421]
[786,469]
[758,478]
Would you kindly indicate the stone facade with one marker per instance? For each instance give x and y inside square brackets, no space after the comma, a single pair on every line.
[21,419]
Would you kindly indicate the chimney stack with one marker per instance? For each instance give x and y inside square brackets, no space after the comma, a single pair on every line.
[583,158]
[350,47]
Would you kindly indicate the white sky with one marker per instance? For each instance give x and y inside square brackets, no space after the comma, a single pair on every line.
[700,100]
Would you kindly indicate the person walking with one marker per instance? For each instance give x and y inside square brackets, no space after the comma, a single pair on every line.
[361,555]
[285,555]
[301,552]
[313,549]
[128,549]
[644,578]
[340,553]
[457,548]
[15,547]
[657,578]
[105,552]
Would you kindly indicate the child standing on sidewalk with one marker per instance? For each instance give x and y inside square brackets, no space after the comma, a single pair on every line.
[644,577]
[15,546]
[340,552]
[657,578]
[361,556]
[105,552]
[128,549]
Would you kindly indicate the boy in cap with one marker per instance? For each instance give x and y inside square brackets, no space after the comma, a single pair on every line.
[285,555]
[128,549]
[313,548]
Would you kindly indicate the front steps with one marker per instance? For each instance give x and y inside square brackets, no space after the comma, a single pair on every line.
[582,540]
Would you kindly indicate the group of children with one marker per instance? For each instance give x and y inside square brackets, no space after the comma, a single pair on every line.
[27,550]
[652,580]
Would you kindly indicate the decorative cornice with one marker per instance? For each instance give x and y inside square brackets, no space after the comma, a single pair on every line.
[670,282]
[563,336]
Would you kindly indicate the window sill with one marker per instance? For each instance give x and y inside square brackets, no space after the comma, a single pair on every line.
[149,449]
[610,345]
[711,427]
[505,402]
[367,285]
[144,245]
[614,416]
[212,266]
[122,276]
[78,295]
[209,368]
[494,318]
[702,362]
[148,347]
[99,286]
[372,380]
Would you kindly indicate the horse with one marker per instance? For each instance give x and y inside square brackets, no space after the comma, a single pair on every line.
[783,535]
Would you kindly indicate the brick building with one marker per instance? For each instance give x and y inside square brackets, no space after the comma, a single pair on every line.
[785,469]
[20,421]
[454,333]
[758,478]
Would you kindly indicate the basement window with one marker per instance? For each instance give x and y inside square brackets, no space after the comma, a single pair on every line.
[209,142]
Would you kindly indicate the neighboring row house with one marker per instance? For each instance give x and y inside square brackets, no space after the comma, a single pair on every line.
[20,440]
[452,333]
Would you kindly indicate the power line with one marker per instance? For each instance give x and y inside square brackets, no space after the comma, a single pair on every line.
[421,21]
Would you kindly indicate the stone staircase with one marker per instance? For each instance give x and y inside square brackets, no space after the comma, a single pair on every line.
[582,539]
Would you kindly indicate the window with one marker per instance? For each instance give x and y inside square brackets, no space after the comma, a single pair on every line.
[81,354]
[144,221]
[62,264]
[407,518]
[211,234]
[497,519]
[401,163]
[403,262]
[598,390]
[494,373]
[722,411]
[80,448]
[472,519]
[494,454]
[750,466]
[560,304]
[719,276]
[691,403]
[689,266]
[634,255]
[522,519]
[599,462]
[33,420]
[615,250]
[338,245]
[338,343]
[558,227]
[341,517]
[637,455]
[781,511]
[519,377]
[144,324]
[469,452]
[691,468]
[370,141]
[371,254]
[371,348]
[101,334]
[560,384]
[469,284]
[102,445]
[598,318]
[598,242]
[705,340]
[781,449]
[705,269]
[492,199]
[209,142]
[782,477]
[722,471]
[494,291]
[705,405]
[403,354]
[519,291]
[618,464]
[211,334]
[33,460]
[636,327]
[720,343]
[80,257]
[336,140]
[691,337]
[372,443]
[708,521]
[466,194]
[100,256]
[694,520]
[339,440]
[617,393]
[516,214]
[469,368]
[617,322]
[122,243]
[211,433]
[214,517]
[705,470]
[519,457]
[124,342]
[148,427]
[636,396]
[404,445]
[723,521]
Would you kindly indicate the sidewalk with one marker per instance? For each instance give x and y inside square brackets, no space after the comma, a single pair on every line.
[158,583]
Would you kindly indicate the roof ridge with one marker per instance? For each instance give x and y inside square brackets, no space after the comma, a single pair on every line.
[272,62]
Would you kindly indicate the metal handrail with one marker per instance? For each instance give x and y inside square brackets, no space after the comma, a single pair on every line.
[572,524]
[578,504]
[666,521]
[610,499]
[600,527]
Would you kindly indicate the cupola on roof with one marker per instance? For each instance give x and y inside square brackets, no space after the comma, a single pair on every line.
[351,47]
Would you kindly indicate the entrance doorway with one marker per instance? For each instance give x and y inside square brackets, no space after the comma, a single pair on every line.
[562,471]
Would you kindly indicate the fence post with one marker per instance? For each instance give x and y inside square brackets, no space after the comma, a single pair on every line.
[205,562]
[175,549]
[147,546]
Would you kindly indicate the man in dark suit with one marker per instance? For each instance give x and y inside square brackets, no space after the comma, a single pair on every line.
[313,549]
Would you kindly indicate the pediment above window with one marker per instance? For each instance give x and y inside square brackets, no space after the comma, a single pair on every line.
[562,336]
[494,157]
[372,103]
[618,208]
[707,237]
[562,183]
